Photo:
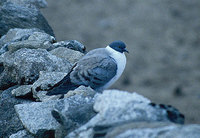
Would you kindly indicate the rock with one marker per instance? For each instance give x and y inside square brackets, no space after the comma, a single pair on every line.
[45,82]
[9,122]
[72,44]
[21,134]
[24,65]
[76,110]
[23,91]
[37,116]
[37,3]
[65,53]
[20,16]
[25,38]
[172,113]
[17,34]
[151,130]
[115,107]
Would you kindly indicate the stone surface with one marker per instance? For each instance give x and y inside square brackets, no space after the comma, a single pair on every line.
[115,107]
[20,16]
[23,91]
[153,130]
[36,116]
[24,65]
[71,44]
[9,122]
[65,53]
[70,113]
[25,38]
[78,112]
[21,134]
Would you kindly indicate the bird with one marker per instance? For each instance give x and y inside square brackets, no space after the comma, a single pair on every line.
[98,69]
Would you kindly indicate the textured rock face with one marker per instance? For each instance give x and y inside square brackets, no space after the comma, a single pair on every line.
[9,122]
[37,116]
[25,38]
[15,15]
[23,66]
[23,91]
[152,130]
[115,108]
[65,53]
[21,134]
[70,112]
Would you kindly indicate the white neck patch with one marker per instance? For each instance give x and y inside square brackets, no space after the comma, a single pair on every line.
[120,59]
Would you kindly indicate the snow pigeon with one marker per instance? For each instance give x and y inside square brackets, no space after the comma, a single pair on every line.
[99,69]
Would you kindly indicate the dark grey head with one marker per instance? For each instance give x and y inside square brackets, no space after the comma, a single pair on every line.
[118,46]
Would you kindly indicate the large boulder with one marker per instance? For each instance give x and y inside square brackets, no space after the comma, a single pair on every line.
[115,108]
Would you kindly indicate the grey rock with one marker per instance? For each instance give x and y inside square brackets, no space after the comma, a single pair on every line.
[71,44]
[25,38]
[45,82]
[17,34]
[23,91]
[75,110]
[172,113]
[9,122]
[37,3]
[36,117]
[79,110]
[65,53]
[19,16]
[21,134]
[115,107]
[154,130]
[24,65]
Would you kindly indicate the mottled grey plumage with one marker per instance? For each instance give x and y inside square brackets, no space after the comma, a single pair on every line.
[100,69]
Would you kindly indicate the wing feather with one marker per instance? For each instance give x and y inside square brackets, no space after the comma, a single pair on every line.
[94,71]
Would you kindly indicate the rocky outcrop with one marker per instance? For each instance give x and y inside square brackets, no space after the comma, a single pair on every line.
[34,62]
[118,108]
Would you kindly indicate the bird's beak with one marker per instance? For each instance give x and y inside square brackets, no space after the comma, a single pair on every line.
[125,50]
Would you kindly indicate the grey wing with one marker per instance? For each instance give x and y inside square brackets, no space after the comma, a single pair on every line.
[94,71]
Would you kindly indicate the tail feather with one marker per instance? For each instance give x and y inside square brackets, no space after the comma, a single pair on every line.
[62,87]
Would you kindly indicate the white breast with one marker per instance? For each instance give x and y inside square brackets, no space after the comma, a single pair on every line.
[120,59]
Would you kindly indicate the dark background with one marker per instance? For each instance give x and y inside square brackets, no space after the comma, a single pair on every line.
[162,36]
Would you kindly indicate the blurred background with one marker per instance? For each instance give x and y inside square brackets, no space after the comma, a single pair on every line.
[163,39]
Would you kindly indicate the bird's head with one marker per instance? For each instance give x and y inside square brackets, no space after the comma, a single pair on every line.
[118,46]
